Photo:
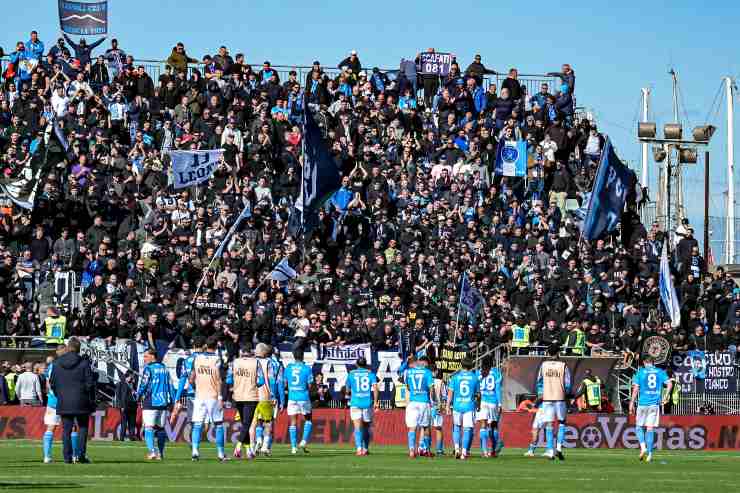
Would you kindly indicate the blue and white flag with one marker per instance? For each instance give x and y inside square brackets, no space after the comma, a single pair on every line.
[611,186]
[283,272]
[667,289]
[246,213]
[470,298]
[511,157]
[698,364]
[191,168]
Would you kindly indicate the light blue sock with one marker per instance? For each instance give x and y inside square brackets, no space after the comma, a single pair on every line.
[48,442]
[75,444]
[412,440]
[258,432]
[220,439]
[456,436]
[532,446]
[307,427]
[424,443]
[195,437]
[293,431]
[440,444]
[548,435]
[494,439]
[149,439]
[268,441]
[561,435]
[161,441]
[358,438]
[484,439]
[366,437]
[467,438]
[640,432]
[650,440]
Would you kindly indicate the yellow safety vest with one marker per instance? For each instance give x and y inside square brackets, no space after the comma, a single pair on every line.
[56,328]
[520,336]
[10,378]
[400,395]
[579,345]
[593,391]
[675,393]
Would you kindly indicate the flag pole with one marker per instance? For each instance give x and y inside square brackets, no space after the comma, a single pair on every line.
[457,318]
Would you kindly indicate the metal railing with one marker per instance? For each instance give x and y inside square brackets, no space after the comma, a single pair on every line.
[693,403]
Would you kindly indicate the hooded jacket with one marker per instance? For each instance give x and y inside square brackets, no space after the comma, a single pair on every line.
[73,382]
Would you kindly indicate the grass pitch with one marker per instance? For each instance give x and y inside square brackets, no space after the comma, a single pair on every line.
[121,467]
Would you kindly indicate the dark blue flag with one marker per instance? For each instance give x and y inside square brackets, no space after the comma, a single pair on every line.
[321,176]
[608,195]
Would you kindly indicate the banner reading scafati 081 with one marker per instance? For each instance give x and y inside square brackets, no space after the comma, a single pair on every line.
[82,18]
[334,426]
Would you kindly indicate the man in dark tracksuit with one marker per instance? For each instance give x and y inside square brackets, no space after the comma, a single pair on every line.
[73,382]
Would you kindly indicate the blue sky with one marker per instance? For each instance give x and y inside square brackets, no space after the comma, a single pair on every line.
[614,49]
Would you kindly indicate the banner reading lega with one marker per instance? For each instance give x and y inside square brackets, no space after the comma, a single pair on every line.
[191,168]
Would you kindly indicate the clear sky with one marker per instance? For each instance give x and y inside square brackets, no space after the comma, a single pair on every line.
[615,48]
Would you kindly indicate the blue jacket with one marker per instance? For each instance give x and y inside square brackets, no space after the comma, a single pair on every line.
[479,100]
[16,58]
[36,49]
[564,103]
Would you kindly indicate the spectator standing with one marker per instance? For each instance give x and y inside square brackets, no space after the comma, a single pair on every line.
[83,51]
[28,387]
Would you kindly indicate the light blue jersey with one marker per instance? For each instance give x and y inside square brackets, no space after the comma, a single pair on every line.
[464,386]
[298,377]
[650,381]
[155,387]
[51,399]
[361,383]
[275,379]
[419,381]
[490,387]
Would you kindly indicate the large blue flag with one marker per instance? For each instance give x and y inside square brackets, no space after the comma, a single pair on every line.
[321,176]
[608,195]
[470,298]
[511,157]
[667,289]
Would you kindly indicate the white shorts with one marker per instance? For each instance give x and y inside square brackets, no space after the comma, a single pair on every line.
[418,414]
[207,411]
[465,419]
[299,407]
[438,419]
[365,415]
[648,416]
[154,418]
[51,418]
[554,411]
[539,419]
[489,412]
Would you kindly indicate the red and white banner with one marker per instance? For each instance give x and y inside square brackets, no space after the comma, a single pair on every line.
[333,426]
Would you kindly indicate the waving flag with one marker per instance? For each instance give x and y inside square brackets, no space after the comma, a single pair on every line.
[511,158]
[83,18]
[470,298]
[283,271]
[321,177]
[609,193]
[667,289]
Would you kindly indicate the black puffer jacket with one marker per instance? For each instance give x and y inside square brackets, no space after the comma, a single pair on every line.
[73,382]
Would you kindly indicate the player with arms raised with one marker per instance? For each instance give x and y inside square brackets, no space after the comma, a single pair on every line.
[363,387]
[156,393]
[298,377]
[647,390]
[207,378]
[420,384]
[554,377]
[462,396]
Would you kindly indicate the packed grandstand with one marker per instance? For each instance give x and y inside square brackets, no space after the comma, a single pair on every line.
[87,138]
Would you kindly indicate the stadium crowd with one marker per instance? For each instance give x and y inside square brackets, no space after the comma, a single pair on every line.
[419,205]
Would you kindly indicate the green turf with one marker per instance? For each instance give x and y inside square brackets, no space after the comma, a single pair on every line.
[121,467]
